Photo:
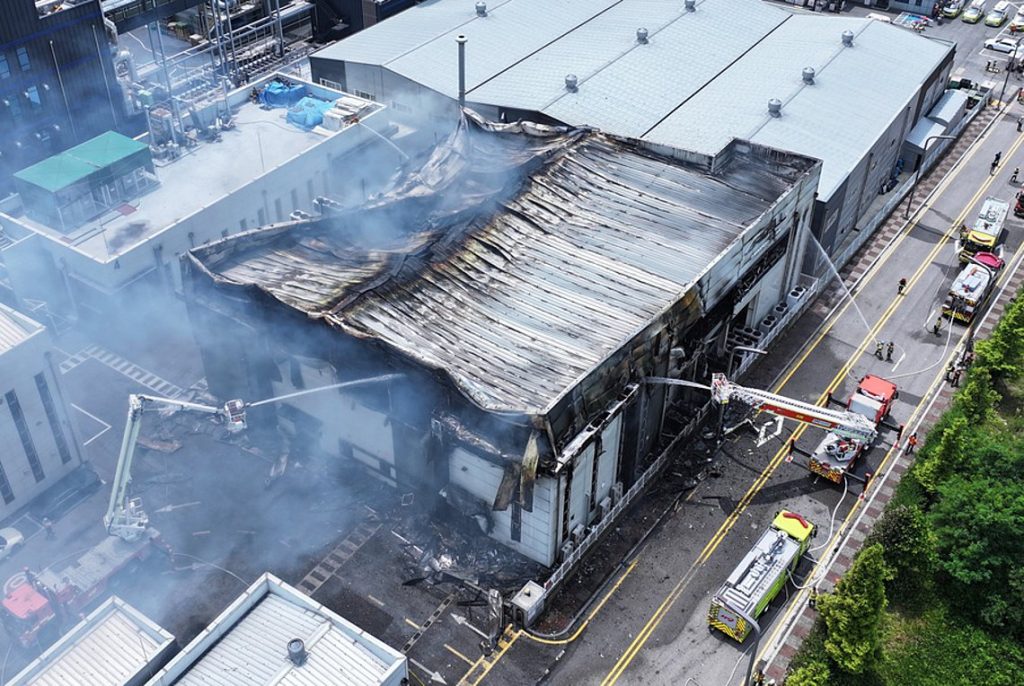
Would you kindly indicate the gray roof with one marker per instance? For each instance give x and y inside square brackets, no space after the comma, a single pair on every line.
[247,646]
[15,328]
[520,291]
[704,77]
[113,645]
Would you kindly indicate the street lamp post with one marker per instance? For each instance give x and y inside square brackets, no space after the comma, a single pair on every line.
[1010,62]
[728,375]
[917,172]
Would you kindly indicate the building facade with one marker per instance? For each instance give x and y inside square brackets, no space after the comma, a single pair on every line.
[40,444]
[505,308]
[57,81]
[131,207]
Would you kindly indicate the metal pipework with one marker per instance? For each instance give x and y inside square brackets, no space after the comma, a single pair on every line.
[461,40]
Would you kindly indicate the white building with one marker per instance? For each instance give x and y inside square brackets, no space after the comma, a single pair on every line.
[257,171]
[115,645]
[690,75]
[40,445]
[273,634]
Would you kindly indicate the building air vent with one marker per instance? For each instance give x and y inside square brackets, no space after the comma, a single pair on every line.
[808,74]
[481,9]
[848,38]
[691,5]
[775,107]
[297,651]
[571,83]
[641,35]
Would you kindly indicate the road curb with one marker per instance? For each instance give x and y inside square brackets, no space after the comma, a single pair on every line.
[938,399]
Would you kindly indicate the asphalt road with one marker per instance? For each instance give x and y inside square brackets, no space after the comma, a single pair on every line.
[653,629]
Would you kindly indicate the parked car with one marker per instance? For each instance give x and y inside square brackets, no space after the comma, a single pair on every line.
[1003,45]
[1018,21]
[974,13]
[953,9]
[10,541]
[64,495]
[999,14]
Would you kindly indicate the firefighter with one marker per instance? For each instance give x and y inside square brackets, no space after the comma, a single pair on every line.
[911,443]
[812,598]
[901,286]
[48,528]
[964,231]
[889,350]
[1013,177]
[949,370]
[1020,123]
[879,347]
[938,326]
[956,376]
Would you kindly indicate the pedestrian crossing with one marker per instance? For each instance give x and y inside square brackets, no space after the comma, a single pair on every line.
[125,367]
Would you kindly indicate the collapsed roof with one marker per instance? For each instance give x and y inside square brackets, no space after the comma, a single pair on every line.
[518,259]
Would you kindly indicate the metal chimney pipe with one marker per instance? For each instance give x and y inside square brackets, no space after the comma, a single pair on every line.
[481,9]
[461,40]
[808,75]
[641,35]
[691,5]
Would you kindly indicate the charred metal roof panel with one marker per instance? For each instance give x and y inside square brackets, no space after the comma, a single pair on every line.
[517,297]
[247,645]
[115,645]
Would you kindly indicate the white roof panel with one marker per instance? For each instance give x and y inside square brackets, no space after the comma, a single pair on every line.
[15,328]
[247,645]
[624,87]
[110,647]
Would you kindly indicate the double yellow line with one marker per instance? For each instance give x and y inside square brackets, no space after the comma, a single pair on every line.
[641,639]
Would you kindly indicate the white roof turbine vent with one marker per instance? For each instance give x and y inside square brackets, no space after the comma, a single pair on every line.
[641,35]
[775,107]
[690,5]
[481,9]
[808,74]
[571,83]
[848,38]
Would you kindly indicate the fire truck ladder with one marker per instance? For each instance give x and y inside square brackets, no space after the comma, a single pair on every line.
[845,424]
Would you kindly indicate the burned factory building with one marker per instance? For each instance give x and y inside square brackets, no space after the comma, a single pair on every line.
[508,303]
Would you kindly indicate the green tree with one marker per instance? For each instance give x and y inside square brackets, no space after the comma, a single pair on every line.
[853,613]
[816,673]
[942,455]
[979,524]
[909,550]
[977,398]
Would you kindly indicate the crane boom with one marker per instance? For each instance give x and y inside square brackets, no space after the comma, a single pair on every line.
[846,424]
[125,517]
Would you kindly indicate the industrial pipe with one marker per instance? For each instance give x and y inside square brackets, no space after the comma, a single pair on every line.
[461,40]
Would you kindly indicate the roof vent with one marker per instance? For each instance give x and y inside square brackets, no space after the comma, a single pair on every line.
[691,5]
[775,107]
[808,74]
[481,9]
[571,83]
[297,652]
[641,35]
[848,38]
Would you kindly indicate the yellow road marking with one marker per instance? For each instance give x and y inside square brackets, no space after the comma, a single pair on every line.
[937,381]
[501,653]
[576,634]
[413,624]
[458,654]
[655,620]
[376,600]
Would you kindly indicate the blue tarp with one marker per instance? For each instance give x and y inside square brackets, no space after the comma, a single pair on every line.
[276,94]
[308,112]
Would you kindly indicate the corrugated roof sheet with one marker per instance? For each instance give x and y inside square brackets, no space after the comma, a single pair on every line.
[250,646]
[110,647]
[515,302]
[704,78]
[857,96]
[15,328]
